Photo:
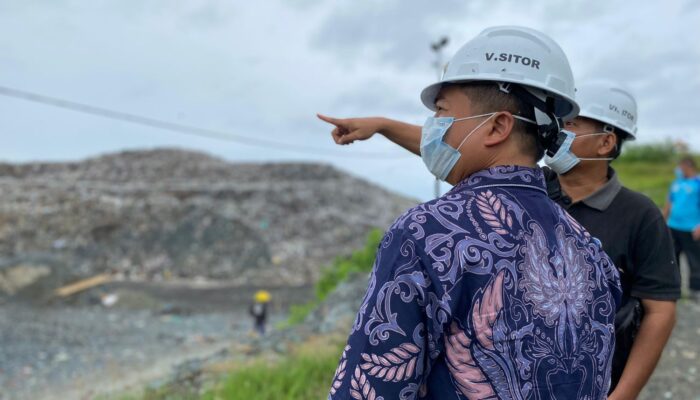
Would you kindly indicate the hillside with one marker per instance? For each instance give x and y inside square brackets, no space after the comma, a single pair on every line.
[173,213]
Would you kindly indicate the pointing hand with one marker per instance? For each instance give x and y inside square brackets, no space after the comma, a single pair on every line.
[348,130]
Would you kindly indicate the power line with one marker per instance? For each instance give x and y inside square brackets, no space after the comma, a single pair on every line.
[184,129]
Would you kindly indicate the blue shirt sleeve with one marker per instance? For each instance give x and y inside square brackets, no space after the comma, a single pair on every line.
[387,353]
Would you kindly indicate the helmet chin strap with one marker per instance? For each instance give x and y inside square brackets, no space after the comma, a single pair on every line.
[595,159]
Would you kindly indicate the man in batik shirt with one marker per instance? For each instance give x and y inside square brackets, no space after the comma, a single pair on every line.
[491,291]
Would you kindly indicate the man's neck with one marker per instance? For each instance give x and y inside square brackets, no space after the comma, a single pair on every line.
[582,181]
[518,161]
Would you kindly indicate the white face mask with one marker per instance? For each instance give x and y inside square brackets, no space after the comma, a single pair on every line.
[565,159]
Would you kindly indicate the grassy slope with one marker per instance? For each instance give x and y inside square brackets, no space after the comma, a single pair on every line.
[648,169]
[306,374]
[652,179]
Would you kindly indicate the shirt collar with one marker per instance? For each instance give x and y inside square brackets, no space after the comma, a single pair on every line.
[601,198]
[504,176]
[683,178]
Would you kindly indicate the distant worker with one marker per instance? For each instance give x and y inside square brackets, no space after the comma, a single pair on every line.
[258,310]
[682,212]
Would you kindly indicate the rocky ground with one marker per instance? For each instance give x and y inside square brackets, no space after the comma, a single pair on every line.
[181,331]
[79,351]
[678,374]
[74,353]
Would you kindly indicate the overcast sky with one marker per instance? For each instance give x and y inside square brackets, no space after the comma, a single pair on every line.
[263,69]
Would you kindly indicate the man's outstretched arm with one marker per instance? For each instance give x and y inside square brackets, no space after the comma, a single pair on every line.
[348,130]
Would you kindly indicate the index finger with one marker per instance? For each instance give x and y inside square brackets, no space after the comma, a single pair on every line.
[330,120]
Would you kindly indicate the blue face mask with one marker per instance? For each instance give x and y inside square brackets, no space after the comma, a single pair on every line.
[679,173]
[438,156]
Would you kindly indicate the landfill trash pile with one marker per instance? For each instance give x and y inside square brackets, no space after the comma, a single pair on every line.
[162,214]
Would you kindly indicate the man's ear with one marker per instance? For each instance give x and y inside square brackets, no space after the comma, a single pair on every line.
[501,126]
[608,143]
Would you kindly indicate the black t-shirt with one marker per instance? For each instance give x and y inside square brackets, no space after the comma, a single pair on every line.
[633,233]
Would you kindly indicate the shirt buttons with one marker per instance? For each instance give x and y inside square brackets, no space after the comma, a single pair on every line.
[566,200]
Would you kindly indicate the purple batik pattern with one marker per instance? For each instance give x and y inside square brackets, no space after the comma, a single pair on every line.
[491,287]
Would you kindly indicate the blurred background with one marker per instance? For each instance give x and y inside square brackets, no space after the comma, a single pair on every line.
[162,169]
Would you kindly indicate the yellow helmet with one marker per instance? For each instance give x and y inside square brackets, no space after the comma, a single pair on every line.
[262,296]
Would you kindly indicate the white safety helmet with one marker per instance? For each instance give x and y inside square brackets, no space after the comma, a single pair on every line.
[513,54]
[610,104]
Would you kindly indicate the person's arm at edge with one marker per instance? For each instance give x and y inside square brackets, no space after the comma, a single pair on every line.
[655,330]
[656,282]
[666,210]
[696,230]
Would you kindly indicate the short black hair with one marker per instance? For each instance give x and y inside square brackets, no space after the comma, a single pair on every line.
[688,160]
[488,97]
[621,138]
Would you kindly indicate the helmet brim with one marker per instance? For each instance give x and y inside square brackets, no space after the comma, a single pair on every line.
[630,136]
[566,107]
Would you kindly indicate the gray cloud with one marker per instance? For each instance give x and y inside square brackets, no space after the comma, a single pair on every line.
[651,53]
[265,69]
[393,32]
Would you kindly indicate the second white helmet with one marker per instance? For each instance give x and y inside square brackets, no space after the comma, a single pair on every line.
[610,104]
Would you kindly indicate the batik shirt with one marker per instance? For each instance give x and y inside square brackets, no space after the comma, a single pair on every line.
[491,291]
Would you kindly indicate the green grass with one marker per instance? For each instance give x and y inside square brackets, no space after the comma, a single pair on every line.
[360,261]
[306,376]
[654,153]
[167,392]
[652,179]
[648,168]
